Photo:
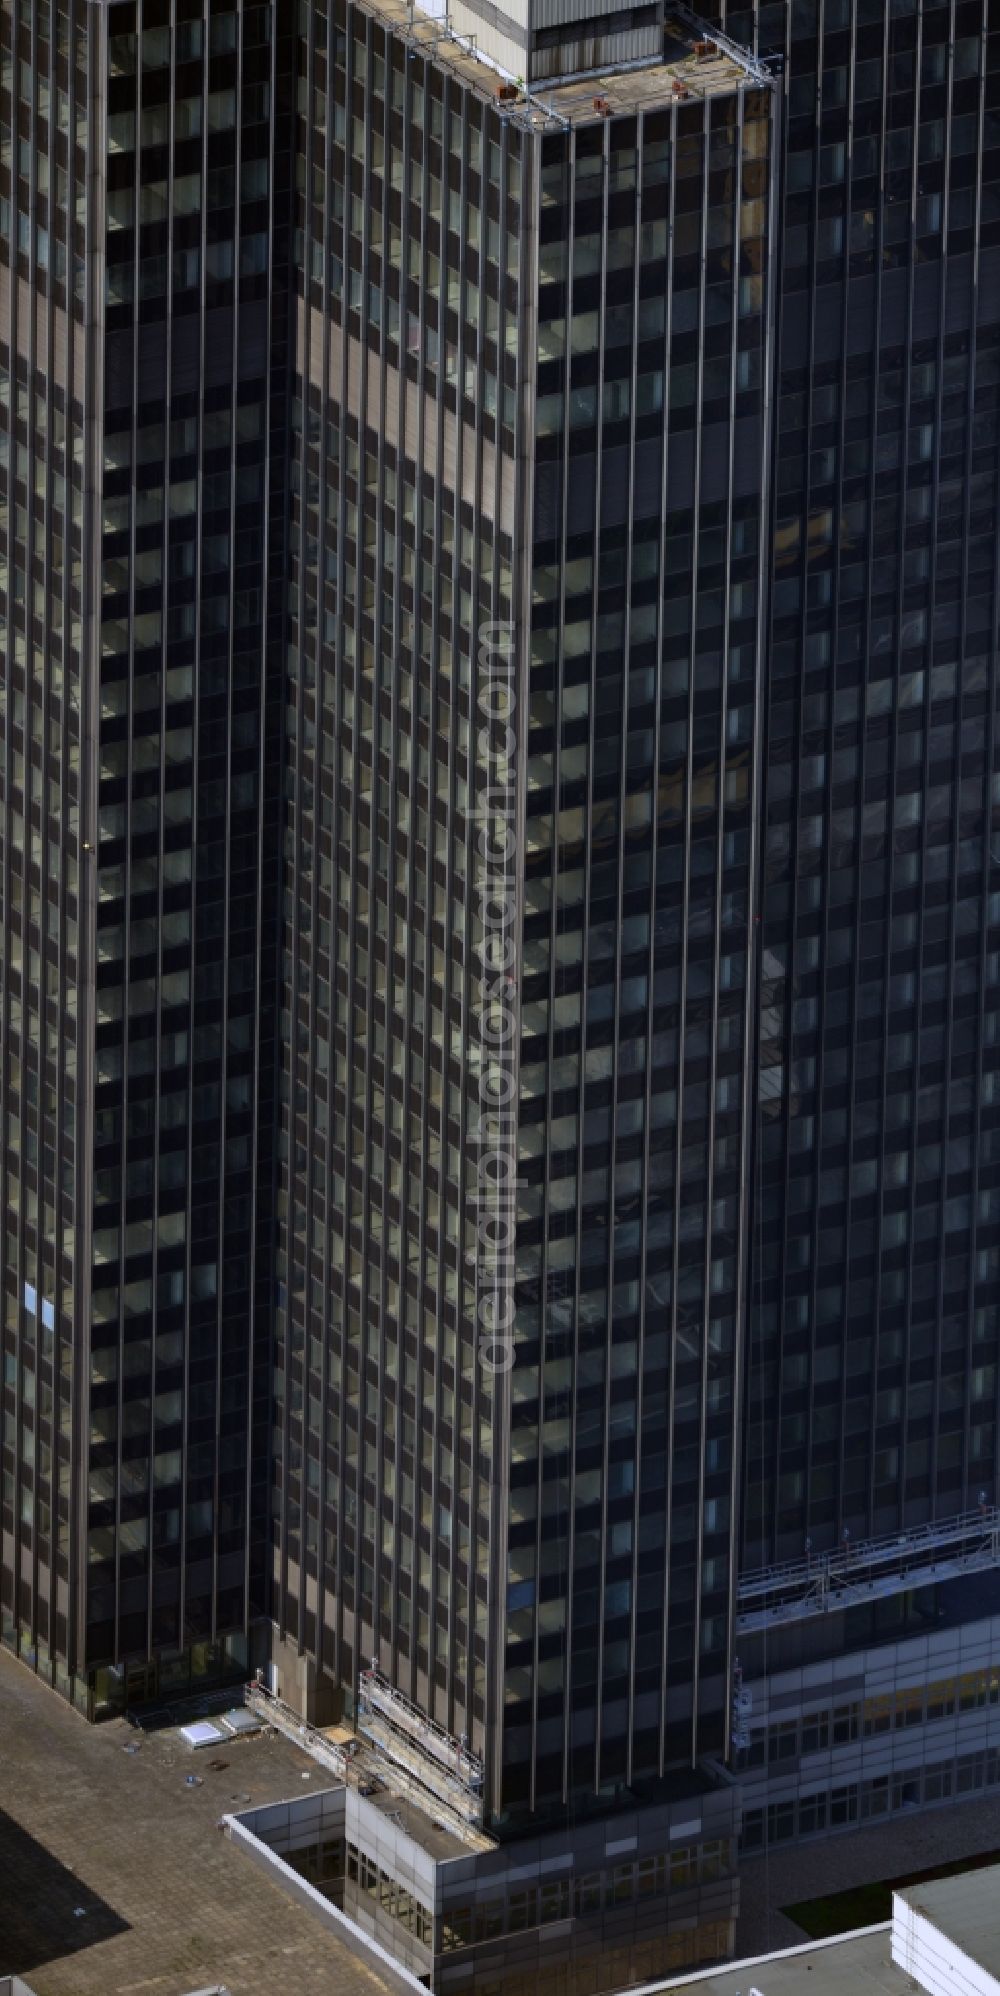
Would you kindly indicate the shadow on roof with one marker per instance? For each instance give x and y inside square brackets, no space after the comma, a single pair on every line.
[47,1911]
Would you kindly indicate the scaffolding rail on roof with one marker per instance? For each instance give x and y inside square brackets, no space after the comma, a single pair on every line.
[362,1765]
[396,1727]
[760,69]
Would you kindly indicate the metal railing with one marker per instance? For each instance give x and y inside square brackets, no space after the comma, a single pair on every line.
[273,1711]
[822,1582]
[362,1762]
[397,1727]
[757,68]
[378,1694]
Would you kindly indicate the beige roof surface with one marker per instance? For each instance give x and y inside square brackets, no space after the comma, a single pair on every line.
[966,1909]
[114,1879]
[858,1964]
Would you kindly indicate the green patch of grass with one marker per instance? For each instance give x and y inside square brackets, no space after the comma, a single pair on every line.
[868,1905]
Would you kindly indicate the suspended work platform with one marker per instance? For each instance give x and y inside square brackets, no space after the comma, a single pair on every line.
[821,1583]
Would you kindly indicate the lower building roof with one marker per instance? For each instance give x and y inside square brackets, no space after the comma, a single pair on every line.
[116,1877]
[964,1912]
[858,1964]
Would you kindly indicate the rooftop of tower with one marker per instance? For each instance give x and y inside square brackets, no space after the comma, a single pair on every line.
[697,63]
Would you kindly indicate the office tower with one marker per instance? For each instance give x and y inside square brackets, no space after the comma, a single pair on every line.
[499,596]
[875,1354]
[43,280]
[495,344]
[144,340]
[873,1357]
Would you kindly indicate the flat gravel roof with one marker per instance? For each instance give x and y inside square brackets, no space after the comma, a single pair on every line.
[116,1881]
[852,1965]
[966,1909]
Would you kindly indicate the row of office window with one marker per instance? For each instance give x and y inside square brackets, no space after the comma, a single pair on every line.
[815,1732]
[587,1896]
[864,1801]
[329,1861]
[879,757]
[394,1899]
[41,513]
[389,574]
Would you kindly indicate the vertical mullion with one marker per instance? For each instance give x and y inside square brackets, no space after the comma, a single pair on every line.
[688,833]
[668,1495]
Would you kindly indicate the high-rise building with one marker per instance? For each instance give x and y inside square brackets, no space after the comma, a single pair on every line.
[533,348]
[500,977]
[876,1328]
[872,1364]
[144,323]
[578,372]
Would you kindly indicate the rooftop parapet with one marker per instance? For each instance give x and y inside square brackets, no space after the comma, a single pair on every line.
[697,62]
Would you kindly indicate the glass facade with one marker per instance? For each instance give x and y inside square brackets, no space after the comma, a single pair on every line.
[606,501]
[45,153]
[194,353]
[144,322]
[331,368]
[407,247]
[873,1372]
[640,756]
